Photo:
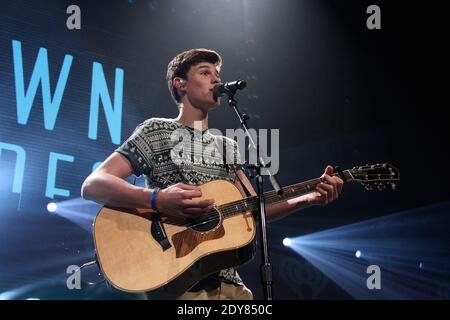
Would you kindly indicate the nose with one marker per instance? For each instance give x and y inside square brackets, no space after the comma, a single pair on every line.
[216,79]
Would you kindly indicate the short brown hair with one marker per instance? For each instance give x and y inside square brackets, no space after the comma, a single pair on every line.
[180,65]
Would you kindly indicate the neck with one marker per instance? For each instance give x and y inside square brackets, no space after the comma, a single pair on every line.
[192,117]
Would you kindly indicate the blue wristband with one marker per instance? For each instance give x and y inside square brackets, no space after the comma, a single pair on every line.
[153,202]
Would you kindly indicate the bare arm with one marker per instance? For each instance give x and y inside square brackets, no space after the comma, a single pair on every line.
[106,185]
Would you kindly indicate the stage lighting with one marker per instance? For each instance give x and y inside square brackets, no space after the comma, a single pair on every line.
[287,242]
[358,253]
[51,207]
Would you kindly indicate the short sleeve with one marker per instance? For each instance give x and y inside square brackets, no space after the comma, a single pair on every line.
[137,150]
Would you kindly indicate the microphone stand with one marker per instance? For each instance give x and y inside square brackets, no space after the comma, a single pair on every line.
[266,267]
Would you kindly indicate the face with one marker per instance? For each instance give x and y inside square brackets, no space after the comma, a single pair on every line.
[198,88]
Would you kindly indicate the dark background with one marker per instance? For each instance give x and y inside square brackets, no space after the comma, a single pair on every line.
[339,93]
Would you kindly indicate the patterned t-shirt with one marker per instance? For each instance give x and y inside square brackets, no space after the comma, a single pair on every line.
[167,152]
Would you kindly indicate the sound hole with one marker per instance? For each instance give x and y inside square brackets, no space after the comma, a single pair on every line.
[207,222]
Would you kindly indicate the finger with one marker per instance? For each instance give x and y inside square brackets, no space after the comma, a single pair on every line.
[187,186]
[188,203]
[329,170]
[327,177]
[323,194]
[329,189]
[331,181]
[340,184]
[188,194]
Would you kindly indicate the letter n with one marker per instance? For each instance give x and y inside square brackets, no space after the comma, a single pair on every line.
[99,91]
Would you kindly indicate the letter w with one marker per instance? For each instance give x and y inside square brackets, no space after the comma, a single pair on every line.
[40,74]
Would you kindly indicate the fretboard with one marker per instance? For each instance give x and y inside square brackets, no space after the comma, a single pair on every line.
[271,197]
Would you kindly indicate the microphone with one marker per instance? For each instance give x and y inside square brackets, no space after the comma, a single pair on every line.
[228,88]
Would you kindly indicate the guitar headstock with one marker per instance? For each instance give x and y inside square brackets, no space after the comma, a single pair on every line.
[376,176]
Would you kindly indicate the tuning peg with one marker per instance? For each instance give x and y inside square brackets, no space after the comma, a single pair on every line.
[393,186]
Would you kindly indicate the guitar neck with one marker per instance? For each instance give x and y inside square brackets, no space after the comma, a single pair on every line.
[271,197]
[299,189]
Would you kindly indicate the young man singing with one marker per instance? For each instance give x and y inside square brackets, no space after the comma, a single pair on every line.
[172,184]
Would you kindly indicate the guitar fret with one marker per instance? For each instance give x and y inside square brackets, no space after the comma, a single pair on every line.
[271,197]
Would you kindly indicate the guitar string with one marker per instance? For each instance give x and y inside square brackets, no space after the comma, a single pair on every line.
[230,209]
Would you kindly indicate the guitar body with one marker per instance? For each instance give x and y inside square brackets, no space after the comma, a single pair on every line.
[140,250]
[133,259]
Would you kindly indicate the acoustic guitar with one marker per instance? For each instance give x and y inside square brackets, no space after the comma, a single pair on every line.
[140,250]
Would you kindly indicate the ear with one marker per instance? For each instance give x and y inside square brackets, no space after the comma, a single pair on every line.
[179,83]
